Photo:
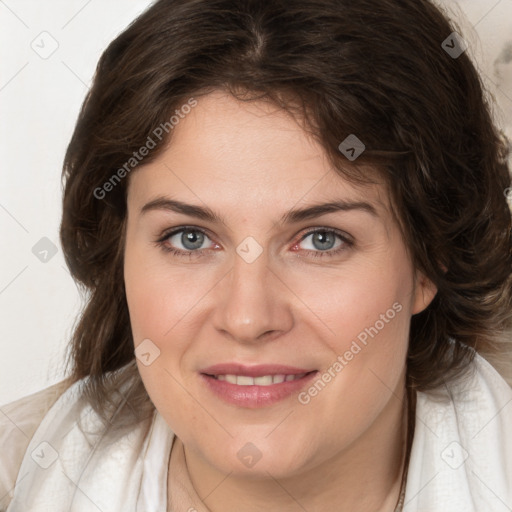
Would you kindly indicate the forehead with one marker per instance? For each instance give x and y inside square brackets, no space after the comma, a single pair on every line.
[228,151]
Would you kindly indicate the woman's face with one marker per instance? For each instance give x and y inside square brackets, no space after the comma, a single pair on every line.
[255,293]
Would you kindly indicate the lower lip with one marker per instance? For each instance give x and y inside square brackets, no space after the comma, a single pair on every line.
[255,396]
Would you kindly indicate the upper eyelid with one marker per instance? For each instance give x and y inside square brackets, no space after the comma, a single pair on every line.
[174,231]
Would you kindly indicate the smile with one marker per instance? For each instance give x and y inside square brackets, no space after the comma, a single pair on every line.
[264,380]
[255,387]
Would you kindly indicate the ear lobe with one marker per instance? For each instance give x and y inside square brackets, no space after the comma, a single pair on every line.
[424,293]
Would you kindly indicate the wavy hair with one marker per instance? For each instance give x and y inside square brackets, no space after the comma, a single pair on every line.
[373,68]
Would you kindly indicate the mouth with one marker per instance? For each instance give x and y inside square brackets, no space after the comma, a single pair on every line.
[255,386]
[264,380]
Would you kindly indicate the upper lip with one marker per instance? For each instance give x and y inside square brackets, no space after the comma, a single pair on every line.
[254,370]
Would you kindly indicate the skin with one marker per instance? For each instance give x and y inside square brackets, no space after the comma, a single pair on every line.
[251,163]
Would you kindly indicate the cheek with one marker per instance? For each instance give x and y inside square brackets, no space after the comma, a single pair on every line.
[367,312]
[358,299]
[159,296]
[144,294]
[362,379]
[156,306]
[164,304]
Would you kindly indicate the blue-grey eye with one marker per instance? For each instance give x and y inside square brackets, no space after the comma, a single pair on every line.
[190,239]
[322,240]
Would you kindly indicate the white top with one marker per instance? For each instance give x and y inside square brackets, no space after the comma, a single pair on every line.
[461,459]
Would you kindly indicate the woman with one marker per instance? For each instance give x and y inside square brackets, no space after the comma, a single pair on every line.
[292,223]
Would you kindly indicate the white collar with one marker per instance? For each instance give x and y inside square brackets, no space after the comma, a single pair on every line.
[127,471]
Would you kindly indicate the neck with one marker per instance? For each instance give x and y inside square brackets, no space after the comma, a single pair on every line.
[365,476]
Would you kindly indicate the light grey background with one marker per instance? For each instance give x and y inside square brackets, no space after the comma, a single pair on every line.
[40,96]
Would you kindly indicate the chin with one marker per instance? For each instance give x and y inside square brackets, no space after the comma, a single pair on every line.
[258,459]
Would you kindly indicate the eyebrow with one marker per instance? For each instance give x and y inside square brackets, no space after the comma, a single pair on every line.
[290,217]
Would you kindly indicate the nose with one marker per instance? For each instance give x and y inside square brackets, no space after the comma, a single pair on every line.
[252,303]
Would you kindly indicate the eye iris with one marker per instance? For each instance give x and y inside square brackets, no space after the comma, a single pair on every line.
[192,237]
[325,240]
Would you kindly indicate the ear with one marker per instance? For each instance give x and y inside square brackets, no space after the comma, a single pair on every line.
[423,294]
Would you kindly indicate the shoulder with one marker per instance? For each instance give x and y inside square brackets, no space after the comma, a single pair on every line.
[115,461]
[461,457]
[480,394]
[19,421]
[482,400]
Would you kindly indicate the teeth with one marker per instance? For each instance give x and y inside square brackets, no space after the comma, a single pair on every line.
[230,378]
[243,380]
[264,380]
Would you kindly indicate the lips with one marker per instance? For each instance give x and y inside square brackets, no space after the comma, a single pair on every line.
[255,386]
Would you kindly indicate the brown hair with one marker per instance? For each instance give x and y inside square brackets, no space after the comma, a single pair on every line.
[373,68]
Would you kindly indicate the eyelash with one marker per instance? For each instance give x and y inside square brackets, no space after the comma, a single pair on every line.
[347,242]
